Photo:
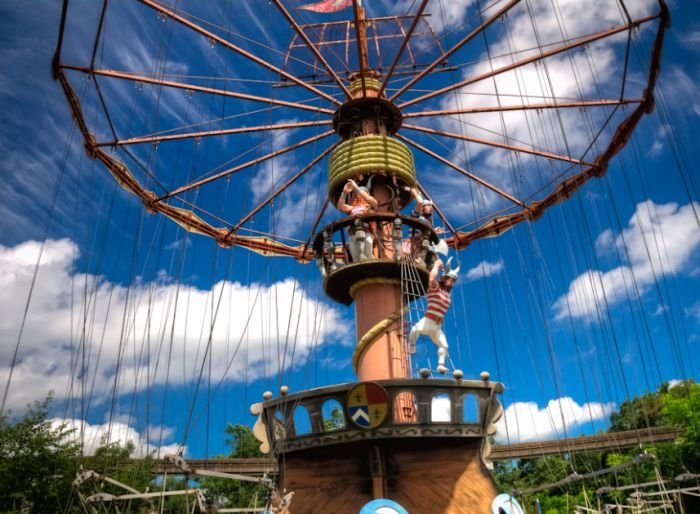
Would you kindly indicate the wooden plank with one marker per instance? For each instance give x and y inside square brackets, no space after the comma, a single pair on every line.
[606,441]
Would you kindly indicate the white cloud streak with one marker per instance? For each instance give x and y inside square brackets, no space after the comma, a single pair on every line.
[485,269]
[91,437]
[659,240]
[130,328]
[526,421]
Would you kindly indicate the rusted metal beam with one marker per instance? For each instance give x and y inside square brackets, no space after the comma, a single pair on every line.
[235,169]
[568,45]
[311,47]
[187,23]
[283,187]
[193,87]
[456,47]
[486,142]
[361,38]
[528,107]
[159,138]
[468,174]
[404,43]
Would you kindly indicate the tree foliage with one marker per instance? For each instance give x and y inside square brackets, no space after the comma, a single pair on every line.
[37,463]
[225,493]
[669,406]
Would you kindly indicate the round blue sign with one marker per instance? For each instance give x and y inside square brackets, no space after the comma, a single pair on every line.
[506,504]
[383,506]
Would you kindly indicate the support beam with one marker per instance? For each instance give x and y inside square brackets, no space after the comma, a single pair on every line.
[159,138]
[585,443]
[468,174]
[567,45]
[283,187]
[486,142]
[135,77]
[214,37]
[528,107]
[456,47]
[361,38]
[313,49]
[404,43]
[235,169]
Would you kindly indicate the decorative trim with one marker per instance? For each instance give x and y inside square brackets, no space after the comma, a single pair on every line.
[460,431]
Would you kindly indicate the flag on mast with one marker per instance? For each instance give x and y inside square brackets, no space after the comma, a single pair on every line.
[327,6]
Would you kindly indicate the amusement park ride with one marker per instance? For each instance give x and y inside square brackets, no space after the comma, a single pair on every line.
[392,447]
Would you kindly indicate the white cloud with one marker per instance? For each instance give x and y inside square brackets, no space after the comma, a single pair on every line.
[526,421]
[604,242]
[485,269]
[440,408]
[659,240]
[92,437]
[674,382]
[134,325]
[691,40]
[444,14]
[693,312]
[682,90]
[592,72]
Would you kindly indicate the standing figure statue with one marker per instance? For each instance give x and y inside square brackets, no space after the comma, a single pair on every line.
[360,234]
[439,296]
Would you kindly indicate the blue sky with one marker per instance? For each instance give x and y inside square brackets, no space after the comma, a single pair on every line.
[596,301]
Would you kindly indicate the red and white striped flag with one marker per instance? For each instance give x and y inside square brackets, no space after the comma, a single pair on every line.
[327,6]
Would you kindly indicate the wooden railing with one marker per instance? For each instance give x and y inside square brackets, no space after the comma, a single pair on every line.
[609,441]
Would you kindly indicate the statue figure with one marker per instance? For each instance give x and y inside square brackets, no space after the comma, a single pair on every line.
[360,233]
[439,297]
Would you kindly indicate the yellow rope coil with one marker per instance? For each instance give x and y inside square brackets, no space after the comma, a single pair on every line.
[370,83]
[374,332]
[369,154]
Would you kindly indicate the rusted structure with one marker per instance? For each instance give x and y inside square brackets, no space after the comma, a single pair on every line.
[392,442]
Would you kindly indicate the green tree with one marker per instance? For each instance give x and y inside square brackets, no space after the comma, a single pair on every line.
[678,406]
[38,463]
[681,408]
[225,493]
[242,442]
[640,412]
[114,460]
[336,420]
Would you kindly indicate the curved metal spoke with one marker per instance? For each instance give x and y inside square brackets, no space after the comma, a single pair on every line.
[567,45]
[526,107]
[456,47]
[521,149]
[172,14]
[311,46]
[159,138]
[192,87]
[404,43]
[235,169]
[283,187]
[452,165]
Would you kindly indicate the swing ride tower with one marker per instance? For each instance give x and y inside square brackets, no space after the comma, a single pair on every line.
[391,447]
[391,442]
